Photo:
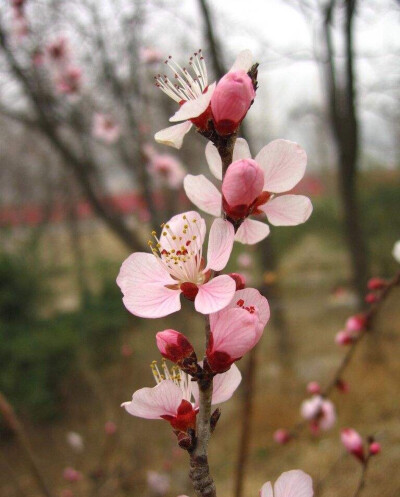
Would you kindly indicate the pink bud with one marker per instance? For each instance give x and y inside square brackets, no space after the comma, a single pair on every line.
[375,448]
[343,338]
[110,428]
[239,280]
[174,346]
[342,386]
[376,284]
[313,387]
[126,350]
[72,475]
[356,323]
[282,436]
[371,298]
[243,183]
[353,442]
[231,100]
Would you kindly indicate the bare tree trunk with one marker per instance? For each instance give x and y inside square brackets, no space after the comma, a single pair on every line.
[344,124]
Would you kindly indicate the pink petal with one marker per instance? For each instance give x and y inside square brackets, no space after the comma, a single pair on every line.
[251,232]
[284,163]
[194,108]
[266,490]
[225,384]
[152,403]
[236,332]
[215,295]
[241,150]
[253,297]
[293,483]
[214,160]
[173,136]
[220,244]
[288,210]
[203,194]
[176,226]
[243,61]
[142,281]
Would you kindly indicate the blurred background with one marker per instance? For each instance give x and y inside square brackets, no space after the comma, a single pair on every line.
[82,185]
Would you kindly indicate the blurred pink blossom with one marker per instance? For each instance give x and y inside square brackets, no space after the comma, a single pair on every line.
[68,81]
[294,483]
[72,475]
[166,169]
[105,128]
[282,436]
[110,428]
[353,442]
[150,55]
[321,412]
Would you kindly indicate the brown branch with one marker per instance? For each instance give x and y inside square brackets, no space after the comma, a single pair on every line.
[363,476]
[214,46]
[13,423]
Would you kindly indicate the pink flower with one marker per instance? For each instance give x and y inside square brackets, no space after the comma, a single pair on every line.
[193,93]
[352,442]
[105,128]
[152,283]
[313,387]
[283,164]
[282,436]
[58,51]
[321,412]
[159,483]
[72,475]
[68,82]
[175,397]
[294,483]
[376,284]
[150,55]
[110,428]
[231,100]
[174,346]
[167,169]
[236,329]
[244,260]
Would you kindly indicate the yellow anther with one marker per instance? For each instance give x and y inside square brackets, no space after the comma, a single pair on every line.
[154,233]
[185,226]
[194,237]
[164,233]
[174,237]
[184,217]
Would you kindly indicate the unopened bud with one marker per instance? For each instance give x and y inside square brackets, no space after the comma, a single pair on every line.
[110,428]
[174,346]
[353,443]
[343,337]
[342,386]
[231,100]
[313,387]
[282,436]
[375,448]
[371,298]
[356,323]
[376,284]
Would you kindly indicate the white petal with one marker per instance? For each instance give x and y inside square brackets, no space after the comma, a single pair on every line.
[266,490]
[203,194]
[251,232]
[220,244]
[243,61]
[173,136]
[143,282]
[225,384]
[194,108]
[152,403]
[293,483]
[288,210]
[177,227]
[396,251]
[241,150]
[284,163]
[214,160]
[215,295]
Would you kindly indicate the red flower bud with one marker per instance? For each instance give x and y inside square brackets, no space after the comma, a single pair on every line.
[353,443]
[376,284]
[313,387]
[375,448]
[282,436]
[174,346]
